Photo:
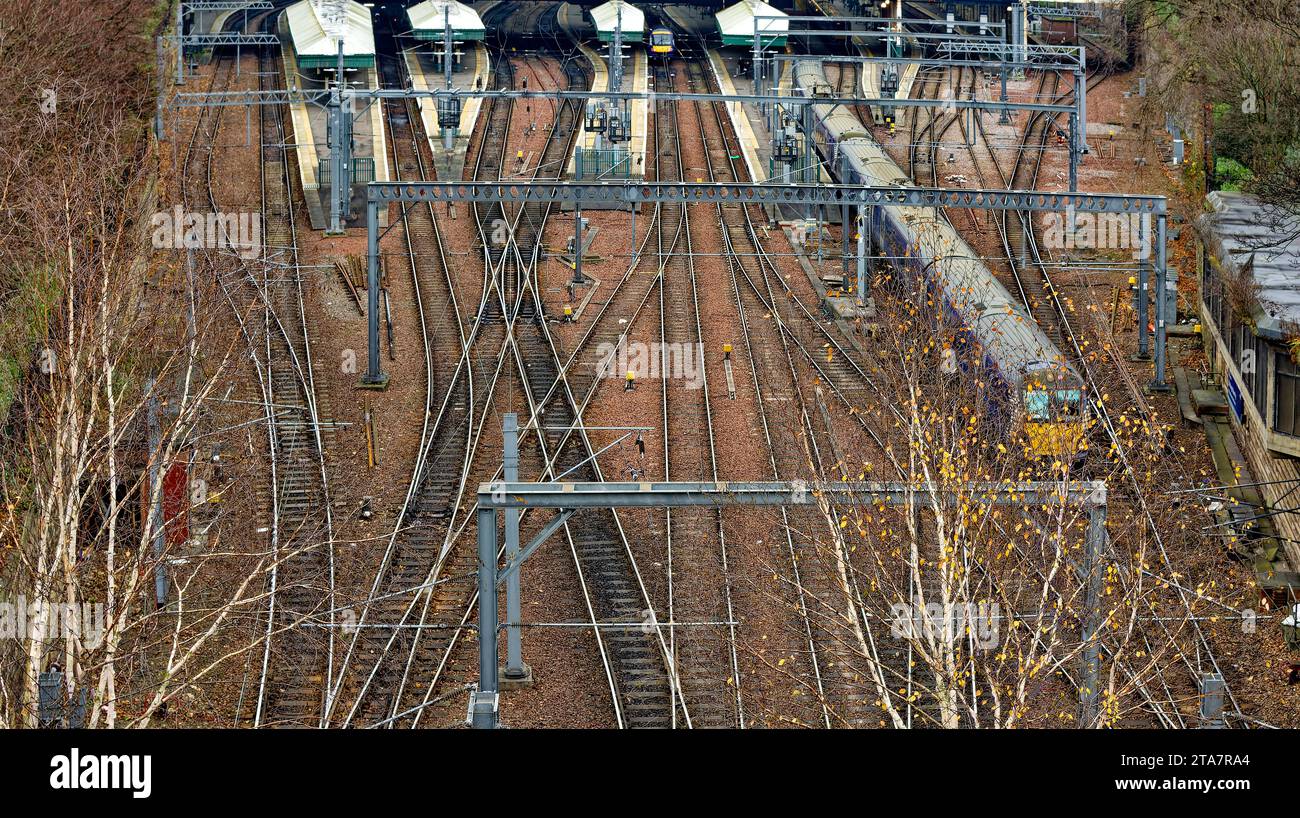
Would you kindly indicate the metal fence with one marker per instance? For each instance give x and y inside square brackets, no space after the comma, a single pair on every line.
[363,170]
[603,163]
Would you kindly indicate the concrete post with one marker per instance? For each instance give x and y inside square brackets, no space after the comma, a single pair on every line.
[374,377]
[484,711]
[1144,256]
[1159,384]
[1090,694]
[516,670]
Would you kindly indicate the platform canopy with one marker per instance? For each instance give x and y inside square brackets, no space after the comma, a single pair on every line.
[317,26]
[606,18]
[429,17]
[736,24]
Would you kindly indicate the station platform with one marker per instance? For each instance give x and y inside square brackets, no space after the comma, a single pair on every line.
[748,120]
[869,79]
[474,71]
[636,77]
[636,80]
[310,142]
[214,22]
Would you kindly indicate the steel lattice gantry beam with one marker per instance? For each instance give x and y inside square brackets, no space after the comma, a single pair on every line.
[227,5]
[184,9]
[321,97]
[381,194]
[749,193]
[228,38]
[568,498]
[1029,53]
[919,22]
[449,103]
[1077,111]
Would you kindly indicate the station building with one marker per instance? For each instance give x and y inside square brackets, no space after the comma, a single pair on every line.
[316,30]
[429,21]
[310,34]
[737,24]
[1250,312]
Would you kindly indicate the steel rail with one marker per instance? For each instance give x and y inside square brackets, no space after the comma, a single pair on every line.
[301,367]
[668,134]
[734,267]
[1113,436]
[463,374]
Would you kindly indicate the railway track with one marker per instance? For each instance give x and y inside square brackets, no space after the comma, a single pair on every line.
[770,345]
[640,677]
[297,658]
[439,614]
[392,636]
[1015,231]
[699,579]
[510,341]
[1028,275]
[1034,281]
[294,693]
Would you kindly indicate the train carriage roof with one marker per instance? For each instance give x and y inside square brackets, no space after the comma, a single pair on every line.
[1001,325]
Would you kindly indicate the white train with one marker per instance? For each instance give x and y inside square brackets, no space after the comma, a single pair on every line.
[990,331]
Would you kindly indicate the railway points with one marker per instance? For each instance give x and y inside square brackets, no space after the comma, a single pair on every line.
[778,363]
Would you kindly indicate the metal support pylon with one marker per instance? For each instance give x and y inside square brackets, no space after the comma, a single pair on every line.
[1159,384]
[795,195]
[516,670]
[180,43]
[339,130]
[448,131]
[568,497]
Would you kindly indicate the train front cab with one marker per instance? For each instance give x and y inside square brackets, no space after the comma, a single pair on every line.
[661,42]
[1055,412]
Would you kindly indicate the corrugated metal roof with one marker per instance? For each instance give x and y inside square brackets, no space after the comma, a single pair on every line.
[1241,227]
[317,26]
[606,16]
[428,17]
[736,23]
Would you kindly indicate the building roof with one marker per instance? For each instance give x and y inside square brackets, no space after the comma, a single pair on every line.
[736,23]
[427,20]
[606,17]
[318,25]
[1243,233]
